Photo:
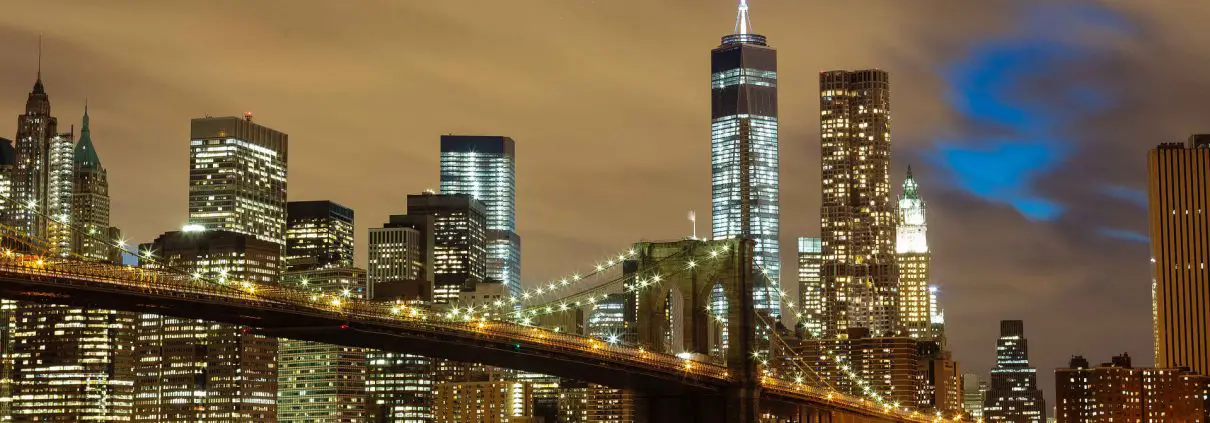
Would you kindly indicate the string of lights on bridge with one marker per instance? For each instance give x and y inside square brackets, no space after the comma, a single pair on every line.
[402,309]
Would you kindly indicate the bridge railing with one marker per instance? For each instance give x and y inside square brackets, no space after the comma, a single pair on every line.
[393,315]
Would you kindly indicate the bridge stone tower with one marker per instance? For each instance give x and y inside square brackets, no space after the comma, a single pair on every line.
[675,316]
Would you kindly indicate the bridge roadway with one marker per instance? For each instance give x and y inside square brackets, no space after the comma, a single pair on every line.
[296,314]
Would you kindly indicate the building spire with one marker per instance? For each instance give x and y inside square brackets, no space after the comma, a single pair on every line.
[909,186]
[38,88]
[743,23]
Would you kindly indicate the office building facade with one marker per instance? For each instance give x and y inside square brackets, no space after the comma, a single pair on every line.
[485,168]
[486,402]
[402,250]
[320,382]
[459,258]
[36,133]
[1178,193]
[744,150]
[1013,395]
[1118,392]
[237,177]
[191,370]
[319,234]
[810,285]
[857,219]
[972,395]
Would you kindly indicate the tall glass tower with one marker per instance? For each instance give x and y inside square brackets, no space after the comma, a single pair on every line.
[485,168]
[743,149]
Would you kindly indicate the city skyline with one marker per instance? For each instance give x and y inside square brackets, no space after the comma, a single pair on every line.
[962,284]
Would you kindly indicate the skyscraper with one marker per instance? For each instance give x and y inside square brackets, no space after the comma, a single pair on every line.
[90,200]
[1014,395]
[810,285]
[401,250]
[36,129]
[912,256]
[237,177]
[8,165]
[191,370]
[857,218]
[66,363]
[459,258]
[319,234]
[485,168]
[1178,188]
[320,382]
[743,149]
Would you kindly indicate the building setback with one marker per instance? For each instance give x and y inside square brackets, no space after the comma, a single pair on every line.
[1178,198]
[485,168]
[743,149]
[857,219]
[190,370]
[1014,395]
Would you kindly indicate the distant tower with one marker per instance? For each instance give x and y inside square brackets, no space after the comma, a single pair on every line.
[1178,192]
[90,200]
[912,254]
[810,285]
[36,129]
[743,149]
[857,218]
[485,168]
[1014,396]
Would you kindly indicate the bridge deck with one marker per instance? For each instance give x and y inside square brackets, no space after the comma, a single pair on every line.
[388,326]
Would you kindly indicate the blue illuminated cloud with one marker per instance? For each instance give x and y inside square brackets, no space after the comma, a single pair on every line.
[1018,96]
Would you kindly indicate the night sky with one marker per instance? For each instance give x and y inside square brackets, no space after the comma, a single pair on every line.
[1025,122]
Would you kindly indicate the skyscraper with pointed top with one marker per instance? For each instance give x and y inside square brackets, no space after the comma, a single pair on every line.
[912,257]
[36,129]
[89,199]
[69,363]
[743,149]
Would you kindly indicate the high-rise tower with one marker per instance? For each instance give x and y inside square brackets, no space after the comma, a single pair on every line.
[485,168]
[857,218]
[1014,395]
[810,285]
[237,177]
[743,149]
[89,200]
[912,256]
[1178,192]
[36,128]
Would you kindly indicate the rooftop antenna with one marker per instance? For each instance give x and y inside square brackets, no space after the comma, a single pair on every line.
[39,57]
[743,23]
